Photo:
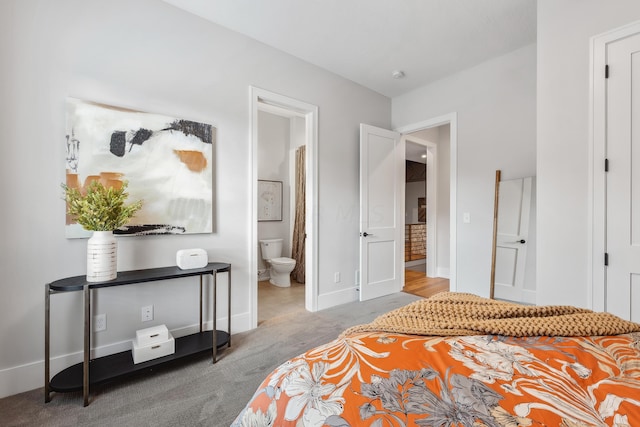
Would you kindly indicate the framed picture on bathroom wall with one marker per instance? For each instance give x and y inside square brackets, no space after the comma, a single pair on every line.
[269,200]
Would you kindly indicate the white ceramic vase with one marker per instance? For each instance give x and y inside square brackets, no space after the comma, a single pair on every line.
[102,257]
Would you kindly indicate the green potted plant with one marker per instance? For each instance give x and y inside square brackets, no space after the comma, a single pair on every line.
[102,210]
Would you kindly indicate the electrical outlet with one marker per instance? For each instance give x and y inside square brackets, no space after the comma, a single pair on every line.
[336,277]
[99,322]
[147,313]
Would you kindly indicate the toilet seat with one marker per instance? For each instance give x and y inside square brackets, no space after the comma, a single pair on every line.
[282,261]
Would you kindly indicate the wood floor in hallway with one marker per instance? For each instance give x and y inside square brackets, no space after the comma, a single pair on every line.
[417,283]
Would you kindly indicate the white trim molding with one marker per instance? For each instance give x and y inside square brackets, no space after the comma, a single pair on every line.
[263,99]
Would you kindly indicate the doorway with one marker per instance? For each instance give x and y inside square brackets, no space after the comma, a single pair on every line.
[420,203]
[421,275]
[436,139]
[382,221]
[302,116]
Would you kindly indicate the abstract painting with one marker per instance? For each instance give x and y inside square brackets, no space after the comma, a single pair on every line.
[166,161]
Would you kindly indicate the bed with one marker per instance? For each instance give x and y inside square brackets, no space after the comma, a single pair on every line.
[461,360]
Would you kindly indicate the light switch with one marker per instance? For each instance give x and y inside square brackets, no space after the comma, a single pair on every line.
[466,217]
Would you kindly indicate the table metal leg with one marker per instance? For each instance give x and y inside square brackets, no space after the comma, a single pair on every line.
[201,303]
[47,342]
[87,344]
[229,308]
[215,333]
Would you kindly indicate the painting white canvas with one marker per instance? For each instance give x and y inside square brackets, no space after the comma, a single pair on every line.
[269,200]
[166,161]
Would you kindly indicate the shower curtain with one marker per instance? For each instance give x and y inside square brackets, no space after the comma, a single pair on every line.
[297,246]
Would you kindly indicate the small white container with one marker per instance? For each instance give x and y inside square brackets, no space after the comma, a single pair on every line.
[153,350]
[152,335]
[191,258]
[152,343]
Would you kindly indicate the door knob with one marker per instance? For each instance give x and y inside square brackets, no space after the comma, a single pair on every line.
[365,234]
[519,241]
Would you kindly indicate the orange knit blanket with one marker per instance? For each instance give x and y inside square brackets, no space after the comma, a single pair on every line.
[457,314]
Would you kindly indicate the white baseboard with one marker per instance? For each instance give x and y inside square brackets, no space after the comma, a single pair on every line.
[415,263]
[19,379]
[529,297]
[442,272]
[333,299]
[22,378]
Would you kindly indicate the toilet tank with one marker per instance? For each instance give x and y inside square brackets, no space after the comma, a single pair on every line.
[271,248]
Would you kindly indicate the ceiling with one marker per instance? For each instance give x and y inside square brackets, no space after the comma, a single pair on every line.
[367,40]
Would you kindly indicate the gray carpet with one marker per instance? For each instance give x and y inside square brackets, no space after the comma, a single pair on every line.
[198,393]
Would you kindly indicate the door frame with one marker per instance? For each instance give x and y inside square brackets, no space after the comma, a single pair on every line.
[432,200]
[597,218]
[452,120]
[310,113]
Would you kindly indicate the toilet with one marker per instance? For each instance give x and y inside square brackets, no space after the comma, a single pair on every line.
[280,267]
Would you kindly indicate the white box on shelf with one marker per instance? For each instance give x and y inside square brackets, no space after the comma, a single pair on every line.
[191,258]
[152,335]
[153,350]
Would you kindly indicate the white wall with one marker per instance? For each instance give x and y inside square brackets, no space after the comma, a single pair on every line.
[495,102]
[413,191]
[530,279]
[274,152]
[443,207]
[564,30]
[153,57]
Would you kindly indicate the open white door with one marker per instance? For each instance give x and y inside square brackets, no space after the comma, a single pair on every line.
[381,212]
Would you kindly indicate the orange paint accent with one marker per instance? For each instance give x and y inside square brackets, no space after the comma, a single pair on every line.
[195,160]
[73,181]
[111,179]
[88,180]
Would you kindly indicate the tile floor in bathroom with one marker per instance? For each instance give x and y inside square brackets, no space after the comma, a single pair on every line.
[274,301]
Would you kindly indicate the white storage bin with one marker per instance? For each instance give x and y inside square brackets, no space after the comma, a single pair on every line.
[153,350]
[152,335]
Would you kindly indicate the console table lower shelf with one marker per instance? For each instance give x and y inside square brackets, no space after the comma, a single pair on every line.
[120,365]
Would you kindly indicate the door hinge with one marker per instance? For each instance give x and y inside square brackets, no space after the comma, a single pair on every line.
[606,259]
[606,165]
[606,71]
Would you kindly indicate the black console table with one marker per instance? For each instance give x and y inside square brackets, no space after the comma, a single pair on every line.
[90,372]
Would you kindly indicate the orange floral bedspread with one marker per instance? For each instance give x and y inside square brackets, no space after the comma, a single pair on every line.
[383,379]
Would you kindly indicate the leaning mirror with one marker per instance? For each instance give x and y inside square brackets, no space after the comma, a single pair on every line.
[513,257]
